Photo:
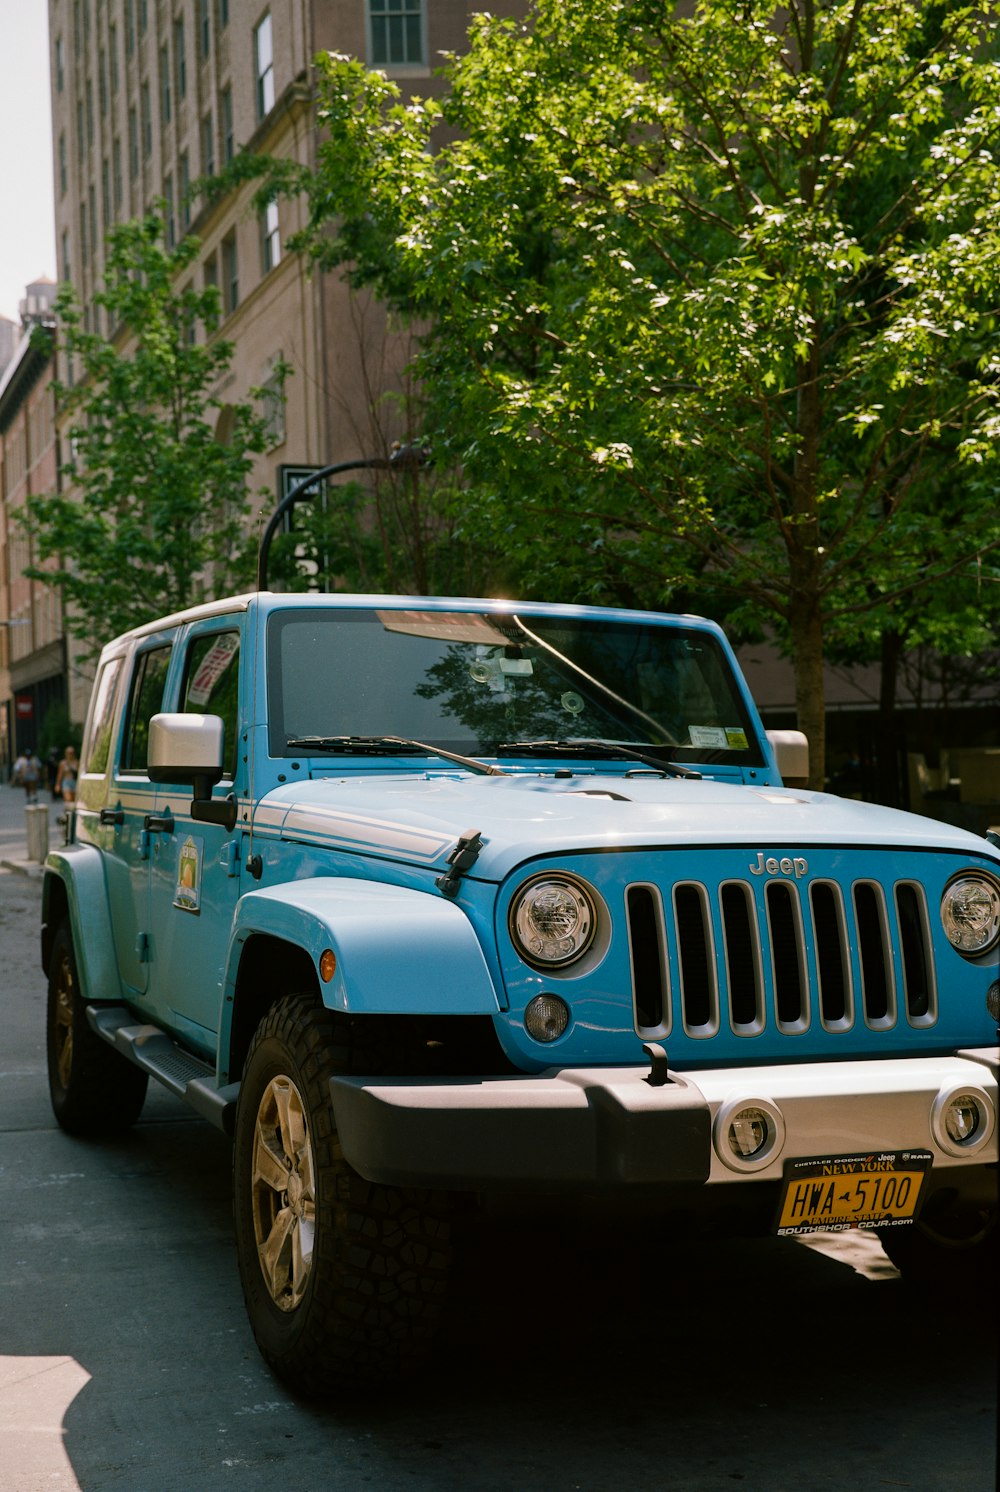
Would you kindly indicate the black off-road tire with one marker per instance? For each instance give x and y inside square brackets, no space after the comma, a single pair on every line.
[94,1090]
[344,1280]
[956,1252]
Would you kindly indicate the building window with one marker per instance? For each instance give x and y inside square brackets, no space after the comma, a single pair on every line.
[129,27]
[133,145]
[270,237]
[146,113]
[92,201]
[223,13]
[116,173]
[81,138]
[397,32]
[228,138]
[169,219]
[164,85]
[230,275]
[65,255]
[106,193]
[180,58]
[143,16]
[90,112]
[83,232]
[184,187]
[204,28]
[62,165]
[60,65]
[113,55]
[263,52]
[207,146]
[272,396]
[102,82]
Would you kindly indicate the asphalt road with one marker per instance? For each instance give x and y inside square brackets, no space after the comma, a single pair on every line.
[568,1362]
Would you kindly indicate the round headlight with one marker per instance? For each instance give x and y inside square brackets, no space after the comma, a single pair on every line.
[970,913]
[552,921]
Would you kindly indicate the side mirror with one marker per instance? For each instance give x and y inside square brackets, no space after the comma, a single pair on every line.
[791,752]
[189,748]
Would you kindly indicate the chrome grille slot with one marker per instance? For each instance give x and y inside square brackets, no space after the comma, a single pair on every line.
[747,955]
[873,951]
[742,950]
[699,988]
[647,953]
[787,947]
[915,950]
[833,956]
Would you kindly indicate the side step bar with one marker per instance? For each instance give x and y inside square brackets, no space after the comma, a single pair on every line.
[159,1055]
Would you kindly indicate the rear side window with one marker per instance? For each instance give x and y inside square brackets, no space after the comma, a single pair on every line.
[211,685]
[145,700]
[98,748]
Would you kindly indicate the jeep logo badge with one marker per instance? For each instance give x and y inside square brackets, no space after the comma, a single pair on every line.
[795,866]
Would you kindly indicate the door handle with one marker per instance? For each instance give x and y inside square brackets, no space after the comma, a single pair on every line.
[114,816]
[155,823]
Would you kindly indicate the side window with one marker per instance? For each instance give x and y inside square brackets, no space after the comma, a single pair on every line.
[145,700]
[98,746]
[211,685]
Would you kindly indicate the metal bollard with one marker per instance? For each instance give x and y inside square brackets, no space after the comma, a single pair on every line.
[36,819]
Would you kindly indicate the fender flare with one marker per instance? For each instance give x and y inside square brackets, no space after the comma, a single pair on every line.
[398,951]
[79,869]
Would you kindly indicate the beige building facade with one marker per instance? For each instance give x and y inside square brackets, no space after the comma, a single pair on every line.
[148,97]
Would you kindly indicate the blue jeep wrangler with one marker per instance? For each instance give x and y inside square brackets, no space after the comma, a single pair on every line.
[435,903]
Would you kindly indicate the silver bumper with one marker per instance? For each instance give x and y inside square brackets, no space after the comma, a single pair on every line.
[578,1127]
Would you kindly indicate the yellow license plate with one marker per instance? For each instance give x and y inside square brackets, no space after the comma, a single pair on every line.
[833,1193]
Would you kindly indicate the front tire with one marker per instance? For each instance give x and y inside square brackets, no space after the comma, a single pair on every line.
[94,1090]
[344,1280]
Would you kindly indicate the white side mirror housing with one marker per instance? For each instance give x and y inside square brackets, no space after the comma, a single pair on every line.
[791,751]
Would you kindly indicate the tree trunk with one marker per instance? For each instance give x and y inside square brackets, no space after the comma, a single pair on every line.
[887,776]
[810,697]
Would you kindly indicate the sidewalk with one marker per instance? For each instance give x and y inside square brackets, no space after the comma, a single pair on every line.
[14,830]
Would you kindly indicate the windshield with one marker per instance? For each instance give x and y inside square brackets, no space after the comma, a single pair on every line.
[473,682]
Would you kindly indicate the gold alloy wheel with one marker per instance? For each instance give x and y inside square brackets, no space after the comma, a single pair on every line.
[63,1022]
[283,1193]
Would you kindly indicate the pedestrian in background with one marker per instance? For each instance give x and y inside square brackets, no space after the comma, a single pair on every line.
[66,776]
[28,774]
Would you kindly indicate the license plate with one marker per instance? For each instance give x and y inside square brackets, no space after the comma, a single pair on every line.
[834,1193]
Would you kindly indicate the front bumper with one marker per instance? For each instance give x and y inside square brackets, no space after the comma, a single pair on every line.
[610,1128]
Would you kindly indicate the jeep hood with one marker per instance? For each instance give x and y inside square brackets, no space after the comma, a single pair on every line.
[417,819]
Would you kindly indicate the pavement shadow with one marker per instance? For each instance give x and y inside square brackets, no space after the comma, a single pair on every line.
[566,1361]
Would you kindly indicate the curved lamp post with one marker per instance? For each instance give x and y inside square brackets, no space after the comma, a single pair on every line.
[405,456]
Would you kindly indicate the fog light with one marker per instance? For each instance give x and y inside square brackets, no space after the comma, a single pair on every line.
[747,1132]
[546,1017]
[962,1118]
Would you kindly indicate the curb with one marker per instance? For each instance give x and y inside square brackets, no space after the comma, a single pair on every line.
[29,868]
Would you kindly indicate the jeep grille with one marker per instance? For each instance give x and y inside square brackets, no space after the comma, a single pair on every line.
[779,955]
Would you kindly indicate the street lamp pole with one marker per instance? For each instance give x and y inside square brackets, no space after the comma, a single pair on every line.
[406,456]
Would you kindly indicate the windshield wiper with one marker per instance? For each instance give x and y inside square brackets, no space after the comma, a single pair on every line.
[584,746]
[387,746]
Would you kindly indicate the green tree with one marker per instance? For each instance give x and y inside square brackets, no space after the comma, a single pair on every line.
[151,515]
[709,295]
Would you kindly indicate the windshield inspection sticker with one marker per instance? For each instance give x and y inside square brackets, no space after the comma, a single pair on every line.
[187,895]
[708,735]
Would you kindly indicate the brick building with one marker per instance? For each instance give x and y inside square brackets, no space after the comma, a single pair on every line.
[148,97]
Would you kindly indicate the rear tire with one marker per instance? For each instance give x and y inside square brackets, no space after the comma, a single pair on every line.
[94,1090]
[344,1280]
